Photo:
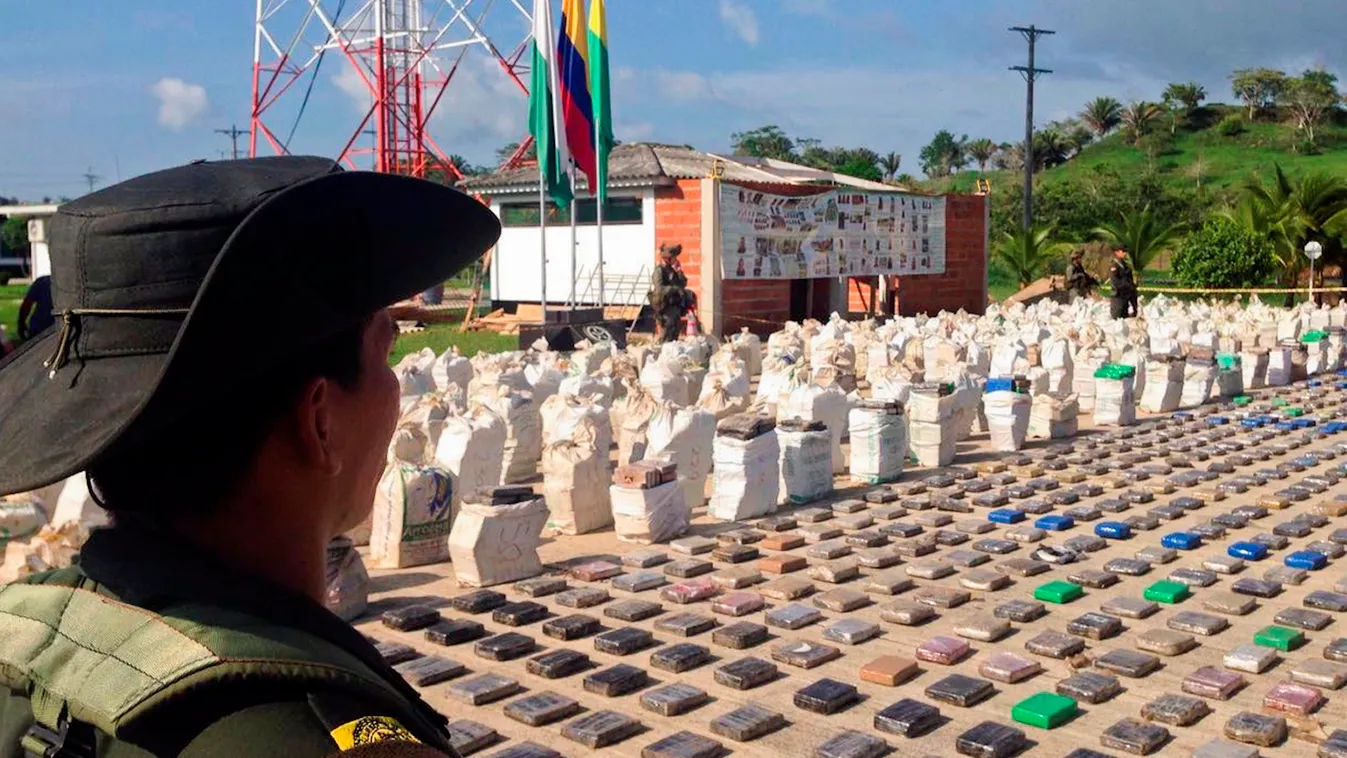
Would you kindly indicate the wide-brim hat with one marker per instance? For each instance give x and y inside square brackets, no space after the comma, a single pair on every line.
[173,288]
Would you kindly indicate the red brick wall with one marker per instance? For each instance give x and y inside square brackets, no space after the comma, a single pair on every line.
[964,282]
[678,221]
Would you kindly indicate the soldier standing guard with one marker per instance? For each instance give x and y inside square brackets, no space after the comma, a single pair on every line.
[669,293]
[1124,300]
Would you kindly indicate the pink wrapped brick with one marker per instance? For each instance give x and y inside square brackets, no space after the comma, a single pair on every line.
[738,604]
[1212,682]
[1293,698]
[689,591]
[1007,667]
[944,650]
[596,571]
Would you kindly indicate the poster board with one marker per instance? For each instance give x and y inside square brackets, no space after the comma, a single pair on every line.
[833,233]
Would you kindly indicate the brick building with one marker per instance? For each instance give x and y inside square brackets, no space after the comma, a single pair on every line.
[662,194]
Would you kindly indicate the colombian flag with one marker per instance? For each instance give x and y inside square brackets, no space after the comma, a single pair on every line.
[600,95]
[577,107]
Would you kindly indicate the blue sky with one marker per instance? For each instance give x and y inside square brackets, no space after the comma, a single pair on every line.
[125,87]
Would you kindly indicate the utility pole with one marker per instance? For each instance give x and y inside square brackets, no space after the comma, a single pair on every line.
[91,177]
[233,133]
[1031,33]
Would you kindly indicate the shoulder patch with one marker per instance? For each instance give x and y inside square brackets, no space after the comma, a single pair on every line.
[369,730]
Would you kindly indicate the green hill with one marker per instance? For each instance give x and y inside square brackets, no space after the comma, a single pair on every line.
[1198,158]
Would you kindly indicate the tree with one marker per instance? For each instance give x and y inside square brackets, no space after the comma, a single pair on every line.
[1078,138]
[1186,94]
[1290,213]
[764,142]
[1223,253]
[1308,99]
[890,164]
[944,155]
[860,164]
[981,151]
[906,180]
[1102,115]
[506,151]
[1257,87]
[1027,254]
[14,236]
[1138,120]
[1143,235]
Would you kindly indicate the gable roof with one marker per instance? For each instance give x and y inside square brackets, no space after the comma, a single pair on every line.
[646,164]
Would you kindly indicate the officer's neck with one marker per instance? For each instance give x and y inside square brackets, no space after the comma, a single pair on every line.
[256,536]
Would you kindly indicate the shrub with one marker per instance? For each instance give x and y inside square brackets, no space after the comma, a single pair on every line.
[1231,126]
[1222,253]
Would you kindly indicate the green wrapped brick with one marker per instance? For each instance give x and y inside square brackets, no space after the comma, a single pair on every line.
[1314,335]
[1044,710]
[1114,371]
[1166,592]
[1059,592]
[1279,638]
[1242,400]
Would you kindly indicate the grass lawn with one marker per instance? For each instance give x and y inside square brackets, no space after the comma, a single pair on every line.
[441,337]
[11,297]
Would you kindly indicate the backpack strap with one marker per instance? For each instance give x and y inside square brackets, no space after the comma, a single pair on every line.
[86,658]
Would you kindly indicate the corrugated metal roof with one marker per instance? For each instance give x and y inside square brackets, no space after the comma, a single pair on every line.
[644,164]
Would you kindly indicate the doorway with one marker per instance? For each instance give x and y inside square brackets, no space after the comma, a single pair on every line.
[810,298]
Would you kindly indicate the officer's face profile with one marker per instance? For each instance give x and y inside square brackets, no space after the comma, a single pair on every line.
[360,421]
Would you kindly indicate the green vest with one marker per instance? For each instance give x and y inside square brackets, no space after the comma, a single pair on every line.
[85,657]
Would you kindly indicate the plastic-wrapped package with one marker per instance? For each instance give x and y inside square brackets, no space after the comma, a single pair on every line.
[497,544]
[472,450]
[451,367]
[748,348]
[1053,417]
[878,444]
[806,465]
[347,581]
[1008,416]
[811,402]
[664,379]
[523,433]
[650,515]
[683,436]
[746,477]
[1114,401]
[561,413]
[1198,378]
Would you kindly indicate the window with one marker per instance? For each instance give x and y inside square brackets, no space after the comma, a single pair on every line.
[618,210]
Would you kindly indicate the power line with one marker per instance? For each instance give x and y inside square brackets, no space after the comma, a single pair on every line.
[91,177]
[233,133]
[1030,33]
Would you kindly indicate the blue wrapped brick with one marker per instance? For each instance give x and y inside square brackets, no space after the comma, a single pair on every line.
[1181,541]
[1113,530]
[1307,560]
[1055,523]
[1249,551]
[1006,516]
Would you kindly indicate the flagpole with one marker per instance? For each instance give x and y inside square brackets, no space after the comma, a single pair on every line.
[573,238]
[598,204]
[542,232]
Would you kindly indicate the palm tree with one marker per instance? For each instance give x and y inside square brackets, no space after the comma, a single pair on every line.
[1102,115]
[1142,235]
[1138,118]
[1292,213]
[981,151]
[1051,148]
[1026,254]
[906,180]
[1187,94]
[1078,137]
[890,164]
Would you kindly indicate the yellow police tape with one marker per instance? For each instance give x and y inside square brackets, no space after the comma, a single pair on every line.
[1237,290]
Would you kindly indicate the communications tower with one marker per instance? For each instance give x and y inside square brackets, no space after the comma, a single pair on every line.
[404,52]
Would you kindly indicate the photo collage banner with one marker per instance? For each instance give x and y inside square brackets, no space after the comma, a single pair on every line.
[835,233]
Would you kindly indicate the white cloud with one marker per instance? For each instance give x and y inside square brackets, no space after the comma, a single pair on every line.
[180,103]
[809,7]
[634,132]
[684,85]
[740,19]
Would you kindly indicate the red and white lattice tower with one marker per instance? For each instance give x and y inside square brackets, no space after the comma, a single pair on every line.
[406,52]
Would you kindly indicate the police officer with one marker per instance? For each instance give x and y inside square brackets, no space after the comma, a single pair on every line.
[1078,281]
[195,625]
[1120,277]
[669,294]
